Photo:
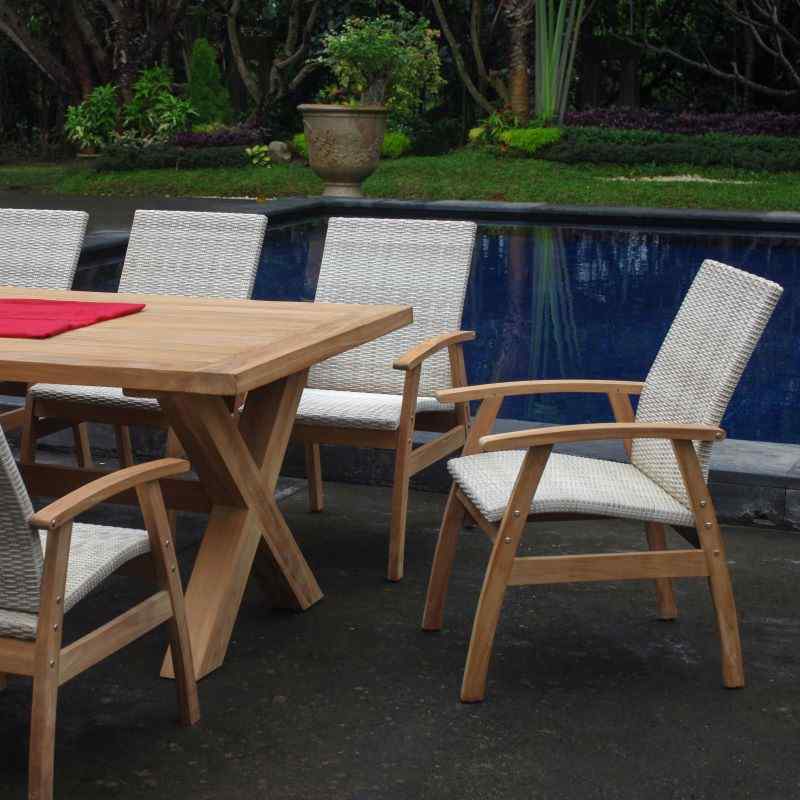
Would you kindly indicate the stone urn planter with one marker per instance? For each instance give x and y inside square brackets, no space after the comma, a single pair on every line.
[344,144]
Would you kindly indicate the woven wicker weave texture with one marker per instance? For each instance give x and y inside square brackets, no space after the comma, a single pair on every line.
[195,254]
[570,485]
[701,362]
[422,263]
[40,249]
[372,411]
[20,552]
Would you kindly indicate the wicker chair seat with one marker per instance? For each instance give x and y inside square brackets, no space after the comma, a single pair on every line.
[92,395]
[357,409]
[570,485]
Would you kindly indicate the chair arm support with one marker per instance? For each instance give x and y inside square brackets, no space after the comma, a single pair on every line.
[512,388]
[598,431]
[416,355]
[76,502]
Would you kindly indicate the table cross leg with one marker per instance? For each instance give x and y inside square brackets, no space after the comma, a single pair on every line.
[238,462]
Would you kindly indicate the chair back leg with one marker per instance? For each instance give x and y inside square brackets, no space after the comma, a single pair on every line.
[316,499]
[168,577]
[27,448]
[83,450]
[443,558]
[124,445]
[665,594]
[719,577]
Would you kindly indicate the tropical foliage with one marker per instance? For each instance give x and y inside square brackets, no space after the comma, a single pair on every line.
[524,59]
[385,60]
[93,123]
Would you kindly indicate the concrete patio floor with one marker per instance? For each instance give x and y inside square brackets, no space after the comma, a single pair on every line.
[590,696]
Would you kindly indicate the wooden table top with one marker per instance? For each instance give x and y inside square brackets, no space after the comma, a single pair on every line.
[204,346]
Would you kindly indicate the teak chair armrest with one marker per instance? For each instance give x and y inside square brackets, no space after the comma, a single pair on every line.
[416,355]
[539,437]
[76,502]
[514,388]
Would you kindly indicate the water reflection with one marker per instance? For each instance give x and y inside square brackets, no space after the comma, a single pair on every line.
[553,302]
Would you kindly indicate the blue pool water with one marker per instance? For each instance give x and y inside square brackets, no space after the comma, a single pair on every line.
[552,302]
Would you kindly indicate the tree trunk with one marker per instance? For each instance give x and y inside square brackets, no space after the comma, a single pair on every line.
[519,67]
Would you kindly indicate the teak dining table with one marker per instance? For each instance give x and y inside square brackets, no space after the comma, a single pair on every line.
[195,356]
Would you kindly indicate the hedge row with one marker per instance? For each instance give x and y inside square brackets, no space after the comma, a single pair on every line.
[121,157]
[223,136]
[601,146]
[117,158]
[766,123]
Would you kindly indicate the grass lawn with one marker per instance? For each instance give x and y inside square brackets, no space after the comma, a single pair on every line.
[462,175]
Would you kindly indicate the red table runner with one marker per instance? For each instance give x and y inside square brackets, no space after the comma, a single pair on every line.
[41,319]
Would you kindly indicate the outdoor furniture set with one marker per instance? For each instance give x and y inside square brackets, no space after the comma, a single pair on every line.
[233,380]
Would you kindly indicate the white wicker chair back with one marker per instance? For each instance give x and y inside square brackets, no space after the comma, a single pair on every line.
[700,363]
[422,263]
[40,249]
[194,254]
[20,548]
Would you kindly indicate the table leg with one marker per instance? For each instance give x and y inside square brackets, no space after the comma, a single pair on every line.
[238,462]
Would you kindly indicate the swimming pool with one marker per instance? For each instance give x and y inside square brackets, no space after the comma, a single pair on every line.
[593,302]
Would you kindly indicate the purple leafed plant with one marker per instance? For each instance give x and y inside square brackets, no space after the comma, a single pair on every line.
[767,123]
[233,136]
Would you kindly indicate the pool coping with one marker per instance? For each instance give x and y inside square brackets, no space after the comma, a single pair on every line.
[286,209]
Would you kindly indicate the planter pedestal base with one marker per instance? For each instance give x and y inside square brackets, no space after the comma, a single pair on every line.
[342,190]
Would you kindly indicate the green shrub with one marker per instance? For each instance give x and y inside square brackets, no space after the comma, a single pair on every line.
[300,145]
[155,113]
[395,144]
[127,156]
[209,98]
[94,122]
[259,155]
[610,146]
[526,141]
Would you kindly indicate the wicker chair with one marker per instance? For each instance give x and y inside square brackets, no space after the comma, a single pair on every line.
[503,480]
[36,591]
[356,398]
[194,254]
[38,249]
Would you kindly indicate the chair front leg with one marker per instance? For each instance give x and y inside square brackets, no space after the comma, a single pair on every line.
[41,756]
[498,572]
[402,476]
[442,568]
[316,497]
[665,594]
[719,577]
